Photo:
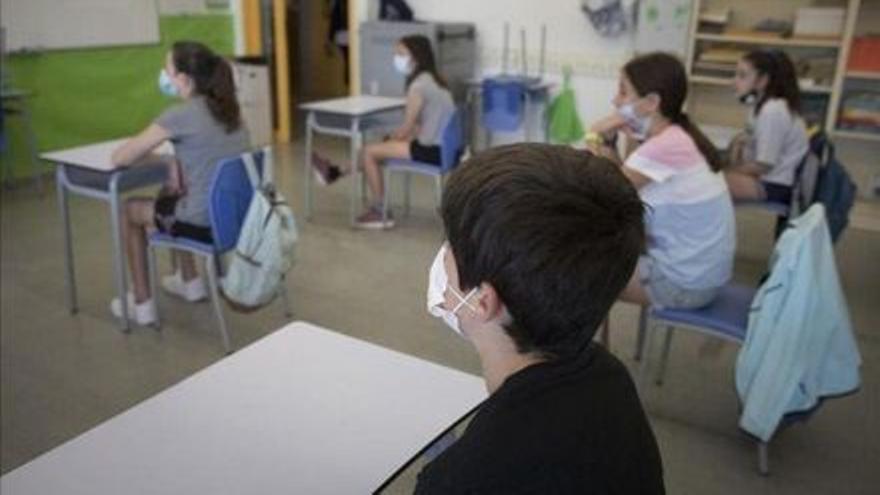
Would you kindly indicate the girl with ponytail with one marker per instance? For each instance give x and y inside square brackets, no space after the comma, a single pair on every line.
[690,224]
[765,158]
[204,127]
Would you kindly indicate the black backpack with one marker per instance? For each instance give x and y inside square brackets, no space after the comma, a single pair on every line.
[834,187]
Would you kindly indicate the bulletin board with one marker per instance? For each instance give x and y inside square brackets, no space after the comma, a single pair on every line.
[37,25]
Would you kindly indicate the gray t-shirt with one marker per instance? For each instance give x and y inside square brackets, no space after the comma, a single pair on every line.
[778,139]
[437,108]
[200,142]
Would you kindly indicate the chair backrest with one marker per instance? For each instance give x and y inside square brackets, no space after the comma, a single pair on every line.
[230,197]
[503,104]
[451,142]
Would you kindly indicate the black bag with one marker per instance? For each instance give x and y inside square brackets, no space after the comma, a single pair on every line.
[395,10]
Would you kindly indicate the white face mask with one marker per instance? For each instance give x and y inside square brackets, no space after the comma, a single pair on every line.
[401,64]
[438,284]
[166,86]
[638,124]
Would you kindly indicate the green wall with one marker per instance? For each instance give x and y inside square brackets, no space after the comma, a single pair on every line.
[85,96]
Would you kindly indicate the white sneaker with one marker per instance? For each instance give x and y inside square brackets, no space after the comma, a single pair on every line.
[143,314]
[191,291]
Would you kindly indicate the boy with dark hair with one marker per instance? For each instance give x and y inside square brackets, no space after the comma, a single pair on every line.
[541,239]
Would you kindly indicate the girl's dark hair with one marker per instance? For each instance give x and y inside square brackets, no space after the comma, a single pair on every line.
[212,77]
[664,75]
[423,59]
[781,77]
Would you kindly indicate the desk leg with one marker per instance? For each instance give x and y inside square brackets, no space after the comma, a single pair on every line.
[355,143]
[118,253]
[528,120]
[69,275]
[545,117]
[307,165]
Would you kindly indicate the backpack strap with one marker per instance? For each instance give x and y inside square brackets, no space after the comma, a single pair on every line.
[251,168]
[268,166]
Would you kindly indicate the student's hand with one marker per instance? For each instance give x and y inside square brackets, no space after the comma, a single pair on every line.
[608,152]
[174,184]
[736,150]
[139,146]
[609,125]
[400,134]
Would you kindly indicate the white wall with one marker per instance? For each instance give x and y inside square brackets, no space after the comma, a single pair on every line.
[571,40]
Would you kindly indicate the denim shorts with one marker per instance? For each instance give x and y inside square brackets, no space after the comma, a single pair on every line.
[664,293]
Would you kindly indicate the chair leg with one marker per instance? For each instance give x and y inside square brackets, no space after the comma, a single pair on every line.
[438,191]
[407,193]
[153,273]
[763,458]
[386,201]
[211,269]
[285,298]
[667,343]
[646,354]
[640,337]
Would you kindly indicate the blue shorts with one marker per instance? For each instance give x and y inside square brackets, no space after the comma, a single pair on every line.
[664,293]
[776,193]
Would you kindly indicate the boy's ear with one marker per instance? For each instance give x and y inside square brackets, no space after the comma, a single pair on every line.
[488,304]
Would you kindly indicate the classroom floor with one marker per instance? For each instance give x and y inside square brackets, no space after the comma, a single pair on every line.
[62,374]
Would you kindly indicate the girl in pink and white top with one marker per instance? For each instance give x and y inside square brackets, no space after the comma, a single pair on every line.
[689,220]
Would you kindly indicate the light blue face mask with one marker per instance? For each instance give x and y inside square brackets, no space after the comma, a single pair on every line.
[166,86]
[638,124]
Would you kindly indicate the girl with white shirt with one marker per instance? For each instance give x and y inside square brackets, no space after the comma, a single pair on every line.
[765,159]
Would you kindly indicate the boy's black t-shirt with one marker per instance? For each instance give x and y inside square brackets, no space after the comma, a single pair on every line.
[565,426]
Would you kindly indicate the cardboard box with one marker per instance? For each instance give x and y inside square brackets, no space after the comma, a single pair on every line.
[819,21]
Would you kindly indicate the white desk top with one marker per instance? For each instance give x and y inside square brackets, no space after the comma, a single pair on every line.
[355,106]
[96,156]
[304,410]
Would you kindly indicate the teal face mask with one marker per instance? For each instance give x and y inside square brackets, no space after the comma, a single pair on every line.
[166,86]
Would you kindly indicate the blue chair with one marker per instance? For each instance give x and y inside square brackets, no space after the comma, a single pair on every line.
[230,196]
[803,189]
[451,147]
[505,101]
[727,318]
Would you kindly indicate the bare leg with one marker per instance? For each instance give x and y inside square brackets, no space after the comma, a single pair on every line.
[743,186]
[138,218]
[187,266]
[635,292]
[374,154]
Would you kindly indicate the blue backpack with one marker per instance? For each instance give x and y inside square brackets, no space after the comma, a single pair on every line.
[834,188]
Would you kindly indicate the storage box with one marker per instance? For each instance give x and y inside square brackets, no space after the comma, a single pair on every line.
[819,21]
[864,54]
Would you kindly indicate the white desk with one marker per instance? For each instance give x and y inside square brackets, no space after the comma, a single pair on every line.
[345,117]
[302,411]
[88,171]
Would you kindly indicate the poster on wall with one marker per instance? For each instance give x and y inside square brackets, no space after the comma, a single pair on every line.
[664,26]
[611,18]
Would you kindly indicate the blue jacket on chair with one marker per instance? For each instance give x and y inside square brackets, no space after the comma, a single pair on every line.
[800,345]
